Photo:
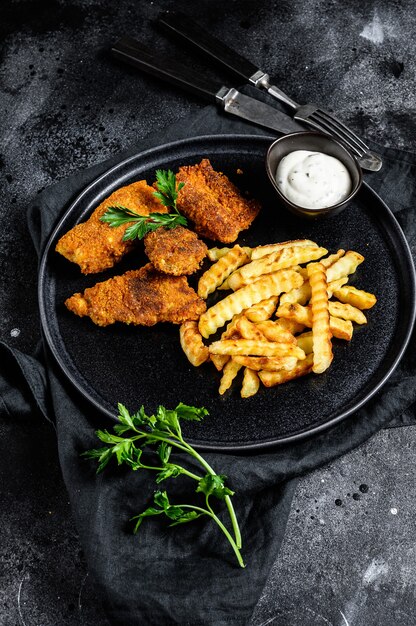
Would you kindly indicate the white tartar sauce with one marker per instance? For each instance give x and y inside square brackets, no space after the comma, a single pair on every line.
[313,180]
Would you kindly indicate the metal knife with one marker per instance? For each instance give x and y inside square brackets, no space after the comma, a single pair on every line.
[188,31]
[231,100]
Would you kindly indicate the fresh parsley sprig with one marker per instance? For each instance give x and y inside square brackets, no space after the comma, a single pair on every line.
[167,188]
[140,225]
[159,434]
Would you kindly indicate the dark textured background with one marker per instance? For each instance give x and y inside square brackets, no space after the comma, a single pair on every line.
[348,558]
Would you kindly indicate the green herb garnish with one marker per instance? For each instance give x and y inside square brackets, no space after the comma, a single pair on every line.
[140,225]
[159,434]
[167,188]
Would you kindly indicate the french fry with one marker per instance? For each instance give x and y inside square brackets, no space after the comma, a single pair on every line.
[251,383]
[250,347]
[305,342]
[219,360]
[214,254]
[289,324]
[302,271]
[296,313]
[273,332]
[346,265]
[248,330]
[281,259]
[301,295]
[332,258]
[217,273]
[225,285]
[259,251]
[268,363]
[230,371]
[262,310]
[347,312]
[271,379]
[276,351]
[336,284]
[356,297]
[341,329]
[192,344]
[265,287]
[321,333]
[230,332]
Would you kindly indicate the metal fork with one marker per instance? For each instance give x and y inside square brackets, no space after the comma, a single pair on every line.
[321,120]
[186,29]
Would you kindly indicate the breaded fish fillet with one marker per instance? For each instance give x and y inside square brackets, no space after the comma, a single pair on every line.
[175,251]
[95,245]
[213,203]
[144,296]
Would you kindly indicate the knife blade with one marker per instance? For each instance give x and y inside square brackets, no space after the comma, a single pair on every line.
[231,100]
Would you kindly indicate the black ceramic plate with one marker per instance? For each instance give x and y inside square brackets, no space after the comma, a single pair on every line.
[136,365]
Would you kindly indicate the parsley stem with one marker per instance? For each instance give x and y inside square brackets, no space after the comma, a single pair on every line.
[190,474]
[186,447]
[167,440]
[163,428]
[234,522]
[160,469]
[216,519]
[229,504]
[179,443]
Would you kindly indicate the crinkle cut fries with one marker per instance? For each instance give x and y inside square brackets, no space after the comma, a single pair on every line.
[286,302]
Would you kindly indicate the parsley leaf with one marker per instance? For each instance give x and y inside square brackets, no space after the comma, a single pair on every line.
[214,485]
[139,436]
[167,188]
[140,225]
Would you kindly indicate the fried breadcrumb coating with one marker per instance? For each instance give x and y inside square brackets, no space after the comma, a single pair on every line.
[95,245]
[175,251]
[144,297]
[213,203]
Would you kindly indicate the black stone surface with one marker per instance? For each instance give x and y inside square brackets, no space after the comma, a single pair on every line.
[349,553]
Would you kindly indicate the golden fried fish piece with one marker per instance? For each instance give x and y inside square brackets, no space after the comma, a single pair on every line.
[94,245]
[143,297]
[213,203]
[175,251]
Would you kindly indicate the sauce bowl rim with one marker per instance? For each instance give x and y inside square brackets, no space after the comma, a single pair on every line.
[308,211]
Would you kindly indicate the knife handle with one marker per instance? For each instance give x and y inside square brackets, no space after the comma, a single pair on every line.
[134,53]
[186,29]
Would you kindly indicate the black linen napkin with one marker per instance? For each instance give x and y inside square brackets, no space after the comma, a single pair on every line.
[188,575]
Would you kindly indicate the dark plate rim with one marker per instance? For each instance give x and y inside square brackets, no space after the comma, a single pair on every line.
[244,447]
